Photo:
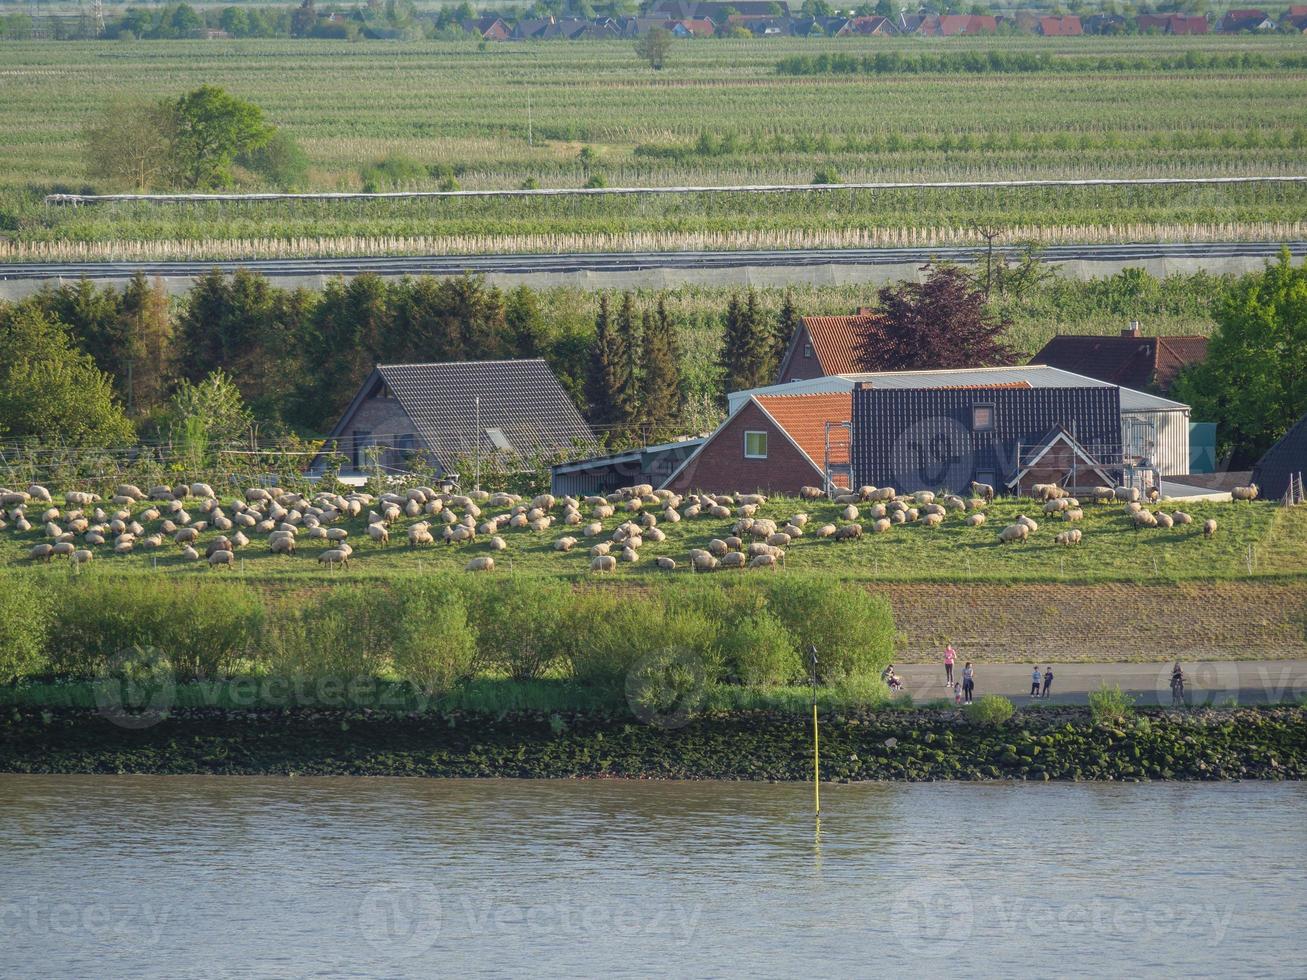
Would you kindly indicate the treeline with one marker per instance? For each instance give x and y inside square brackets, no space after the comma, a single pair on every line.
[1017,62]
[295,356]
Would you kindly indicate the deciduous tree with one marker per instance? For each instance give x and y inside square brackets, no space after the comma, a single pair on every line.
[940,323]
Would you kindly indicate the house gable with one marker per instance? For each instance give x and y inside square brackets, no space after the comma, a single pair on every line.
[720,464]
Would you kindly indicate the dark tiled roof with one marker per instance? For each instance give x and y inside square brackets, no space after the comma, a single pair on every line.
[522,399]
[1289,455]
[1132,362]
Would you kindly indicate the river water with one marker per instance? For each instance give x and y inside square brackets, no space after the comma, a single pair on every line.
[199,876]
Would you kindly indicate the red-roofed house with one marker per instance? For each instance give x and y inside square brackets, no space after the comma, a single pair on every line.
[872,26]
[1172,23]
[1068,26]
[1237,21]
[825,345]
[772,443]
[955,25]
[1130,359]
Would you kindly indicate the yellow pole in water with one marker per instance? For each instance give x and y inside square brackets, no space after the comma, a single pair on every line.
[816,747]
[816,763]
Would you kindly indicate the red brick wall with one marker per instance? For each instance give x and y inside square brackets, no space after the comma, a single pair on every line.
[721,467]
[796,366]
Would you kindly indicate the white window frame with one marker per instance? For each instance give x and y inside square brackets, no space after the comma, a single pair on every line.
[807,350]
[765,441]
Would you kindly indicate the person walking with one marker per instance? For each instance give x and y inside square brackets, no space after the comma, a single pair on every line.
[1177,686]
[968,682]
[950,655]
[1035,680]
[1048,680]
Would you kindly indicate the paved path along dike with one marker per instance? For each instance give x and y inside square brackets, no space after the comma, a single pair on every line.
[1212,682]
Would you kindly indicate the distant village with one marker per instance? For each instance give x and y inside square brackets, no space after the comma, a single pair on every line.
[766,18]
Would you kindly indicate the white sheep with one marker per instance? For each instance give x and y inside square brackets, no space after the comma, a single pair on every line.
[1014,532]
[603,563]
[1209,527]
[975,520]
[483,563]
[1249,492]
[667,564]
[333,557]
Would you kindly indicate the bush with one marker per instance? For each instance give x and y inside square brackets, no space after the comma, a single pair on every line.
[518,624]
[436,647]
[852,629]
[202,629]
[759,651]
[607,636]
[24,626]
[992,709]
[1110,704]
[280,160]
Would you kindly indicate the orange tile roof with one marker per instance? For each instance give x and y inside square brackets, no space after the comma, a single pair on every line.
[835,340]
[804,417]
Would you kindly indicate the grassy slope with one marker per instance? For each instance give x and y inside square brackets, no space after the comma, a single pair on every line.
[1111,552]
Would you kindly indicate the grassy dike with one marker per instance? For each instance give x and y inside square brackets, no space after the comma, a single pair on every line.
[915,745]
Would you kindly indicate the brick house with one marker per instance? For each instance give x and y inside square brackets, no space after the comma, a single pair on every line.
[1172,23]
[825,345]
[773,444]
[513,410]
[1129,359]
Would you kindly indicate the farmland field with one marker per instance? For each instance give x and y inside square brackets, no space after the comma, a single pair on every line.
[720,113]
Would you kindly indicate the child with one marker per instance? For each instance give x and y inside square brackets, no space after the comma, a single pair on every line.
[1036,679]
[957,693]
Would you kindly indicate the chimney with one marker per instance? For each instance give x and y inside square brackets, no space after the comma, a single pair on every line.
[1132,330]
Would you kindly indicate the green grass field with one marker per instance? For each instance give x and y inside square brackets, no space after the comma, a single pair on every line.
[718,114]
[1273,539]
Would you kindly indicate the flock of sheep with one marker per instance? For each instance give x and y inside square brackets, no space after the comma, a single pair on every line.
[176,516]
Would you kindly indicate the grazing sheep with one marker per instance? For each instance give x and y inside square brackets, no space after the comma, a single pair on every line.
[565,544]
[222,558]
[283,545]
[1249,492]
[849,513]
[82,555]
[881,526]
[655,534]
[763,561]
[735,559]
[482,563]
[1143,518]
[420,534]
[1134,507]
[190,554]
[975,520]
[1163,520]
[333,557]
[717,547]
[498,544]
[1014,532]
[1055,506]
[848,532]
[378,533]
[983,490]
[782,540]
[1154,494]
[924,497]
[811,493]
[41,552]
[186,535]
[898,517]
[1073,514]
[603,563]
[1023,519]
[1126,494]
[702,561]
[667,564]
[602,548]
[1068,538]
[939,509]
[1180,517]
[932,520]
[826,531]
[216,545]
[954,502]
[1209,527]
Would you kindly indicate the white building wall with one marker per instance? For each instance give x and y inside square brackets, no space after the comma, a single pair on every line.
[1171,450]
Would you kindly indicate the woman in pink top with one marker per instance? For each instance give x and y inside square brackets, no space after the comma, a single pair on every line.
[949,656]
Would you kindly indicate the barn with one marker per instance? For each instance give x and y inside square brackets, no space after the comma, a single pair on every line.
[512,411]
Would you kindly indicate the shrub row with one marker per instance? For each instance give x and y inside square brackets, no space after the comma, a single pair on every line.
[1016,62]
[436,630]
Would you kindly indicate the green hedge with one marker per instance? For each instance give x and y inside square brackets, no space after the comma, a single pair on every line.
[439,630]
